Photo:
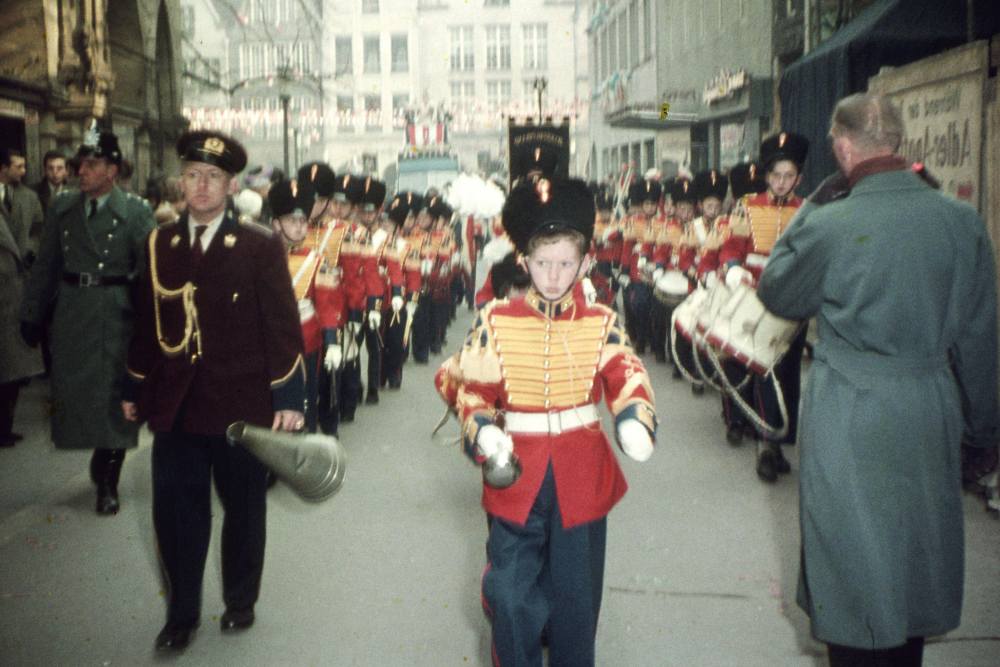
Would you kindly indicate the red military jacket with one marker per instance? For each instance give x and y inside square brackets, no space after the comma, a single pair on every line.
[709,260]
[391,255]
[767,219]
[515,360]
[223,339]
[329,284]
[413,278]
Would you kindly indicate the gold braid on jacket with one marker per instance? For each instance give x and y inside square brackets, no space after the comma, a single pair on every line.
[186,294]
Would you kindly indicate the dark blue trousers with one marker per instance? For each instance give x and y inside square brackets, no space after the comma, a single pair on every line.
[762,394]
[328,400]
[636,298]
[374,344]
[420,333]
[312,391]
[393,352]
[351,387]
[541,576]
[183,468]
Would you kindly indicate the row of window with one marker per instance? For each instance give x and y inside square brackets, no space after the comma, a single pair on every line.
[497,92]
[690,22]
[624,41]
[372,54]
[641,156]
[260,59]
[498,47]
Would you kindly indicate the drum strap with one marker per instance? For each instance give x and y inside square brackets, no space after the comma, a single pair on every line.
[769,431]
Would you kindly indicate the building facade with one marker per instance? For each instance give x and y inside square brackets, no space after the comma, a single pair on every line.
[247,62]
[709,60]
[65,62]
[378,67]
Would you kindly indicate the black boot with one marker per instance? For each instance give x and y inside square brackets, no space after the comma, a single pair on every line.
[106,465]
[734,434]
[697,389]
[372,397]
[766,462]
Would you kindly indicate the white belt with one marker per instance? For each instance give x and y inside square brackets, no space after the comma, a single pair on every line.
[757,261]
[306,310]
[551,422]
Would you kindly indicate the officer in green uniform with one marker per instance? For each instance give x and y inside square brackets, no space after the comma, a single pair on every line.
[91,250]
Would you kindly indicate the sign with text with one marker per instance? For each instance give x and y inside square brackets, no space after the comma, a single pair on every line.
[941,99]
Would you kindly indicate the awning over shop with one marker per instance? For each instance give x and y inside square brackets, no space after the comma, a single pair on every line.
[887,33]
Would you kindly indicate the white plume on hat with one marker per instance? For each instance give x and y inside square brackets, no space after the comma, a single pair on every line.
[471,195]
[249,203]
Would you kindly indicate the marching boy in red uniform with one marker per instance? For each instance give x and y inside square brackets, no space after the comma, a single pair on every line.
[531,373]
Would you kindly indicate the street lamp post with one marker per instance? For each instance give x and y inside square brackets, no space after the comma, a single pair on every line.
[539,85]
[285,99]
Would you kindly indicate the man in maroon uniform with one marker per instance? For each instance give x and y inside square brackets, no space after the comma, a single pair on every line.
[217,340]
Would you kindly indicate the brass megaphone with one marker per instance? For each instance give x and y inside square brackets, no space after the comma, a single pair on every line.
[314,465]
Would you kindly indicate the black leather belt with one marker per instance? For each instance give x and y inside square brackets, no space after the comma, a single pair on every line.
[94,280]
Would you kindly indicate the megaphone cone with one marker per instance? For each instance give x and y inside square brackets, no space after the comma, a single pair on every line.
[313,465]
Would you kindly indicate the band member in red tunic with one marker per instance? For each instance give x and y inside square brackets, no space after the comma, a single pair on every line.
[742,259]
[543,361]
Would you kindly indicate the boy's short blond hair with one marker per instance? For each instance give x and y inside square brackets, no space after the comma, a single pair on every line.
[555,235]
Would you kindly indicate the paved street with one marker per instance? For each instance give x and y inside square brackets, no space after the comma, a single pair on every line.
[701,564]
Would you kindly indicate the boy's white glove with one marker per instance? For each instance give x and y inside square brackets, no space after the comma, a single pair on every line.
[624,280]
[354,328]
[641,263]
[658,273]
[333,358]
[396,302]
[426,265]
[607,233]
[634,440]
[589,291]
[736,275]
[491,440]
[411,308]
[374,319]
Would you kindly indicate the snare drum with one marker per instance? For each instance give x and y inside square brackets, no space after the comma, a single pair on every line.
[686,314]
[672,288]
[744,330]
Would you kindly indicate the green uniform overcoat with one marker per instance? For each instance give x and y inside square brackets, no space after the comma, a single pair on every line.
[902,281]
[91,326]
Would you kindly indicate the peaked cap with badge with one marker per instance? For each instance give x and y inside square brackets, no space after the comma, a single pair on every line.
[711,183]
[547,206]
[784,146]
[214,148]
[99,144]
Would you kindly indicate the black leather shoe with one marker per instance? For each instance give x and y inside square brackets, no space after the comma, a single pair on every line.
[372,398]
[7,441]
[394,384]
[107,500]
[346,417]
[175,636]
[766,461]
[697,389]
[16,437]
[734,435]
[661,358]
[237,619]
[677,373]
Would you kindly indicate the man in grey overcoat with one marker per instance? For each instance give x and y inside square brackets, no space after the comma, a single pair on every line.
[92,248]
[903,283]
[20,212]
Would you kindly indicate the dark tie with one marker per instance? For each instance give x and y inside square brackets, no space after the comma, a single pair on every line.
[93,208]
[196,249]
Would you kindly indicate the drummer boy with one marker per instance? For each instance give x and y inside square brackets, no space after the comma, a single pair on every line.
[543,361]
